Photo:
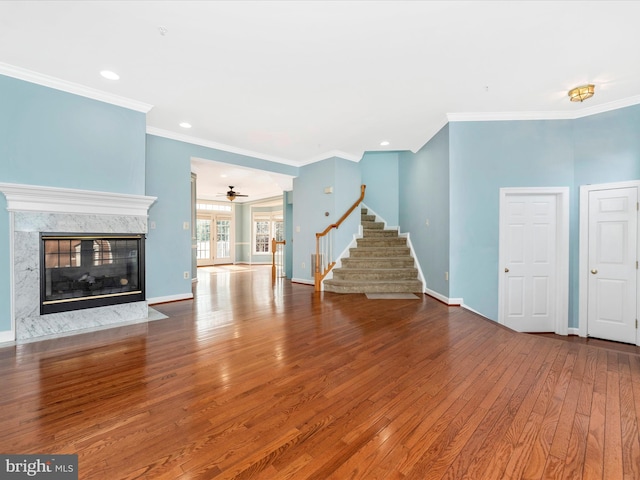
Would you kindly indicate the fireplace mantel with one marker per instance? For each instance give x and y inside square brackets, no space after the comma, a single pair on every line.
[33,198]
[36,209]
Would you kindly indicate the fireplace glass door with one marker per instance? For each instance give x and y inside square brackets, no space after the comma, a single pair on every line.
[83,271]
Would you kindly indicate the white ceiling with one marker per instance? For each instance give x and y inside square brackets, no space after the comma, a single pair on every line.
[299,81]
[214,180]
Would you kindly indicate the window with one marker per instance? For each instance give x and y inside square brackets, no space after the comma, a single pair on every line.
[203,236]
[266,225]
[209,207]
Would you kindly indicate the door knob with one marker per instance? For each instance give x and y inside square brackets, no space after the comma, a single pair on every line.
[594,271]
[506,270]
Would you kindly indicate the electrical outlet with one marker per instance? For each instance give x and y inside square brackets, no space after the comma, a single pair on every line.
[446,276]
[186,275]
[185,225]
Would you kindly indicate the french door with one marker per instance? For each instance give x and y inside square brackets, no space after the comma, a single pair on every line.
[213,239]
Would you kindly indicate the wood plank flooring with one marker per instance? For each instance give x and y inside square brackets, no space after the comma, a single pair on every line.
[254,380]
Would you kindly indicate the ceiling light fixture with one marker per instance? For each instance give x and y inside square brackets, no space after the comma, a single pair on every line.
[185,125]
[580,94]
[384,143]
[109,75]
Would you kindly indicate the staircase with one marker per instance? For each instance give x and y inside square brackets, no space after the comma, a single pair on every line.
[380,263]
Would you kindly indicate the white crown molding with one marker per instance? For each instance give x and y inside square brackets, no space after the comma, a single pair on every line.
[158,132]
[70,87]
[567,115]
[607,107]
[34,198]
[231,149]
[336,153]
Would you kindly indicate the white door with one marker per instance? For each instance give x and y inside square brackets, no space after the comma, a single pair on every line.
[612,252]
[213,239]
[528,253]
[222,239]
[204,240]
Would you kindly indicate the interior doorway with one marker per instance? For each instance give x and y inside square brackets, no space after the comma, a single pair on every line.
[609,253]
[533,273]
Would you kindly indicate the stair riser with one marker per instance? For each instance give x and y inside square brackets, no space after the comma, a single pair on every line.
[372,225]
[381,242]
[379,252]
[415,287]
[375,233]
[357,277]
[378,263]
[367,218]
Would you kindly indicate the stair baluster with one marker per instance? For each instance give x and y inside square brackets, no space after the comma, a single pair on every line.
[324,245]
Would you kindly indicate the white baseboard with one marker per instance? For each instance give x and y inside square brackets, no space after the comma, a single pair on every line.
[170,298]
[573,331]
[7,336]
[467,307]
[443,299]
[303,280]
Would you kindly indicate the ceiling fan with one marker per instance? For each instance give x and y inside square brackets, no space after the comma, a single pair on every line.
[231,194]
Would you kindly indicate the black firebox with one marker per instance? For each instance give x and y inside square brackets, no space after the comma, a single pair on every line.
[90,270]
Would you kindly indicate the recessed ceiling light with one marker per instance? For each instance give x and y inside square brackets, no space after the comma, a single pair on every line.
[185,125]
[384,143]
[109,75]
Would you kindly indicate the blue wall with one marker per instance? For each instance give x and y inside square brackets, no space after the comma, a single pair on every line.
[346,192]
[287,209]
[169,179]
[424,195]
[380,175]
[57,139]
[310,204]
[243,233]
[486,156]
[53,138]
[169,244]
[607,147]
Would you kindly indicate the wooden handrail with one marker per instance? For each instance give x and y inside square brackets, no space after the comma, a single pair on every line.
[346,214]
[319,276]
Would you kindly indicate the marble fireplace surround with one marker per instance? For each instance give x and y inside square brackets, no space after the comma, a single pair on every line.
[34,209]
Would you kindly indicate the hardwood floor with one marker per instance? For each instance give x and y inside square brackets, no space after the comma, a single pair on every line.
[259,381]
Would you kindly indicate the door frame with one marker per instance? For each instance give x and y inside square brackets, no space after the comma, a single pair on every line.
[207,262]
[213,217]
[583,253]
[223,216]
[562,250]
